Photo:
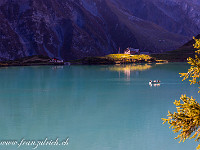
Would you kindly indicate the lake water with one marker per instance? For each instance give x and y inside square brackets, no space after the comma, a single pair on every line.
[95,107]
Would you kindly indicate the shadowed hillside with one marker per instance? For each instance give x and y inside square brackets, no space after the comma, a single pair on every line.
[181,54]
[71,29]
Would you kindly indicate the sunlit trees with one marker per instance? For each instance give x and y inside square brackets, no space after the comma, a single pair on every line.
[186,121]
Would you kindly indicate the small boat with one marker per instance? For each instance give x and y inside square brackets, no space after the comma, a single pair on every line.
[154,82]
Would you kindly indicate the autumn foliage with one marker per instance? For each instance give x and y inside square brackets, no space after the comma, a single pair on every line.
[186,120]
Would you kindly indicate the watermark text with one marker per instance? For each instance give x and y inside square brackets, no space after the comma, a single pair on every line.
[35,143]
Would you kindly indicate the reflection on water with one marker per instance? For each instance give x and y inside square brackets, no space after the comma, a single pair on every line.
[57,67]
[127,69]
[132,67]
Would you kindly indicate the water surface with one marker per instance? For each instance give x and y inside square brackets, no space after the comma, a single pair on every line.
[97,107]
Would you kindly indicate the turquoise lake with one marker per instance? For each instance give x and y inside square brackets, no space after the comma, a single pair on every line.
[95,107]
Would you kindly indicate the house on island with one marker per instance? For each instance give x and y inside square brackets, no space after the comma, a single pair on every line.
[131,51]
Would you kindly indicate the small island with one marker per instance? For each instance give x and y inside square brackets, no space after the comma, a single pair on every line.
[130,55]
[115,59]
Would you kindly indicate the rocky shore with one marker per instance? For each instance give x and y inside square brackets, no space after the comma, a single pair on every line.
[32,61]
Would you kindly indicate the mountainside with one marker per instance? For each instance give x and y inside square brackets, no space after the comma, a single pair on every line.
[177,16]
[180,54]
[70,29]
[188,47]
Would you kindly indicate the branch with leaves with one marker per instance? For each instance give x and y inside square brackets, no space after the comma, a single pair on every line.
[187,118]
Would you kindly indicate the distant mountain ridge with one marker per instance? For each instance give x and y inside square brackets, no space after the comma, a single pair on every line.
[177,16]
[71,29]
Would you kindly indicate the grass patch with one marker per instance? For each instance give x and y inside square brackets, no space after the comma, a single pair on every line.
[120,57]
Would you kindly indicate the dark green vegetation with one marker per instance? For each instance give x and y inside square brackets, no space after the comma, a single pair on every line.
[31,61]
[92,61]
[179,55]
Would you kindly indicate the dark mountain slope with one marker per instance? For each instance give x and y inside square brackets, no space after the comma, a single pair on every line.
[177,16]
[181,54]
[70,29]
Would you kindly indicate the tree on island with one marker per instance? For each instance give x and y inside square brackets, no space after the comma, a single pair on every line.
[186,120]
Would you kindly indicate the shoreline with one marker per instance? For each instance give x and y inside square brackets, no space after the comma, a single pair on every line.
[112,59]
[32,61]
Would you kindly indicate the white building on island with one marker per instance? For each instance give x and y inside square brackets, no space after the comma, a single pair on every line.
[131,51]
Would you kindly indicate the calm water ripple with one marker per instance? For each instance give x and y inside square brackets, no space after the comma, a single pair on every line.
[97,107]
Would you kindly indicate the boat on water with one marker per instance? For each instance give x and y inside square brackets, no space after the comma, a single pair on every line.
[154,82]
